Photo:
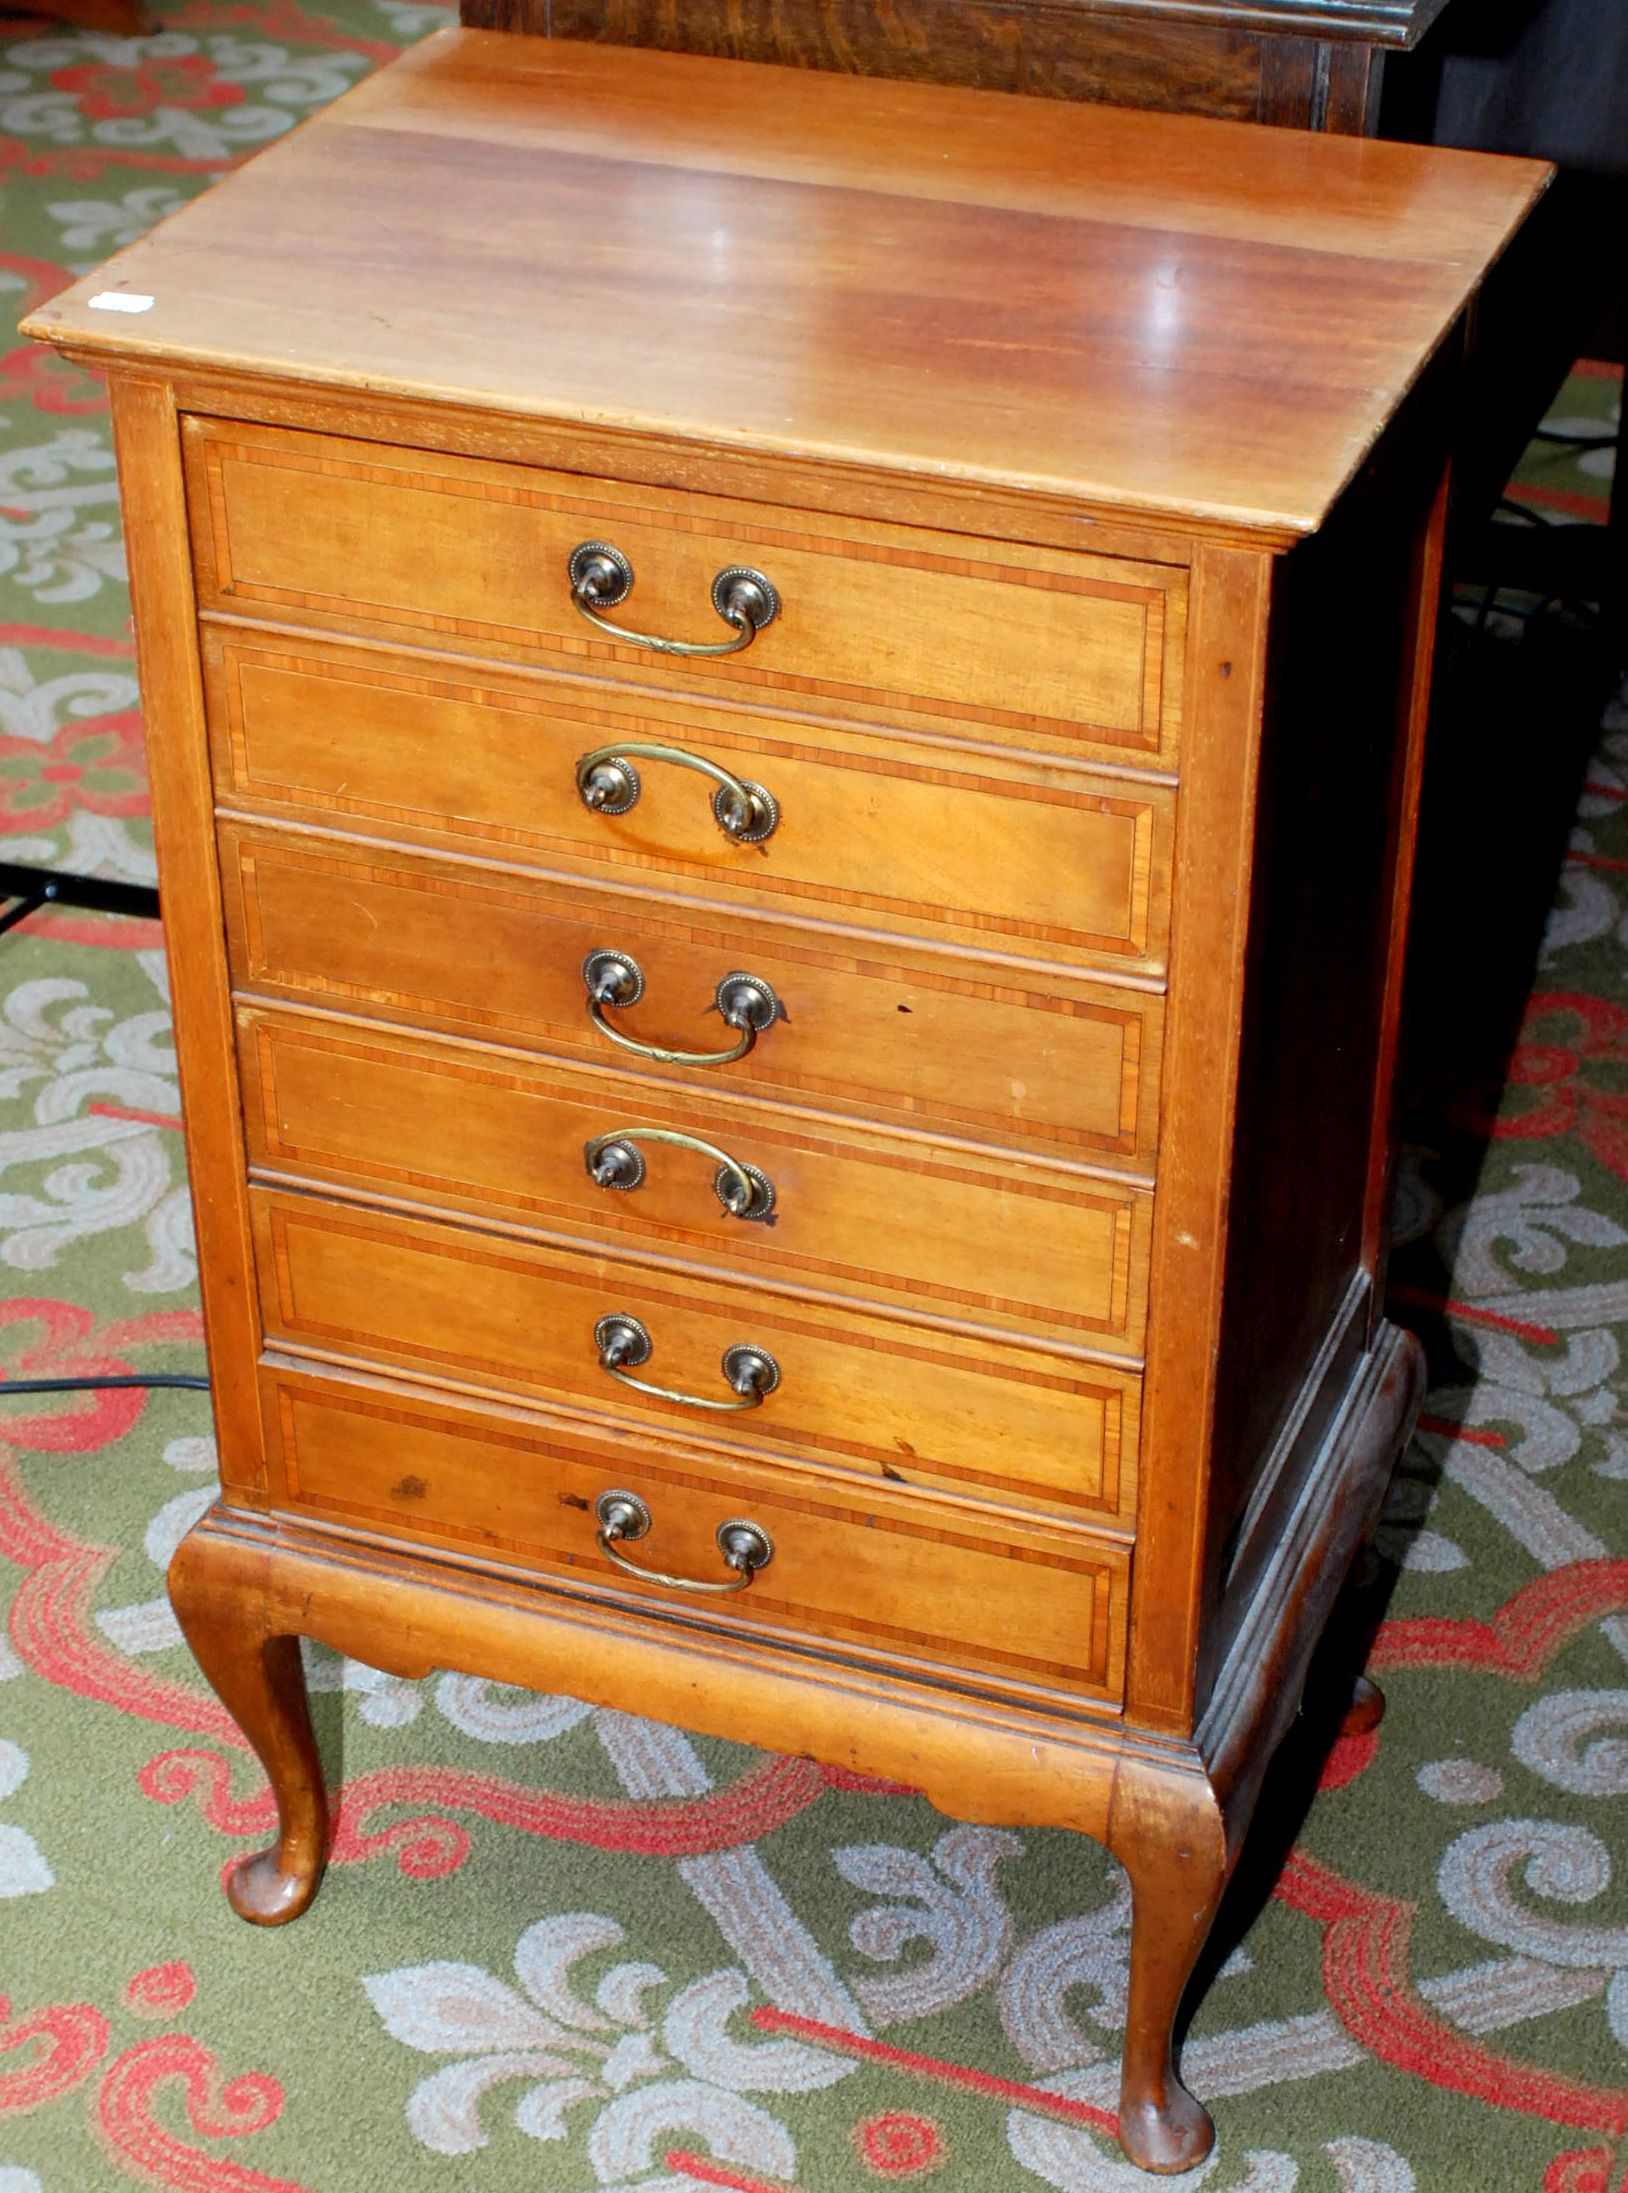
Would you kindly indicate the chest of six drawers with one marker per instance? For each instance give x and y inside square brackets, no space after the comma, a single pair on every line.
[958,914]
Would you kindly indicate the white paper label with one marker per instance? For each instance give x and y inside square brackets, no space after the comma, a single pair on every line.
[120,300]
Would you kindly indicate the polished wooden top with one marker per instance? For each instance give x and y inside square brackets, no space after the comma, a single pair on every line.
[1132,311]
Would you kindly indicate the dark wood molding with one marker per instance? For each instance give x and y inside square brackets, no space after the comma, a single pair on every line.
[1257,1692]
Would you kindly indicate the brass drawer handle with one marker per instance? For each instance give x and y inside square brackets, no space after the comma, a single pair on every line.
[609,784]
[615,979]
[615,1160]
[601,576]
[624,1344]
[623,1516]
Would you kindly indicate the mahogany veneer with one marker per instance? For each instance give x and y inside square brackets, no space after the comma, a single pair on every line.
[1301,64]
[999,1319]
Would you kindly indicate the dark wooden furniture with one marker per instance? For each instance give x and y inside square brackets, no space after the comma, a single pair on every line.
[1550,78]
[1303,64]
[118,18]
[1016,914]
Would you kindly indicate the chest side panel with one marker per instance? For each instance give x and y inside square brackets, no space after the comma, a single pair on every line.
[1353,619]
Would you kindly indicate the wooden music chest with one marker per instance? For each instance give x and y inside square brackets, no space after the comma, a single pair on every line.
[785,720]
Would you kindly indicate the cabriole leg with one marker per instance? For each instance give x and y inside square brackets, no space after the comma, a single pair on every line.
[218,1590]
[1165,1829]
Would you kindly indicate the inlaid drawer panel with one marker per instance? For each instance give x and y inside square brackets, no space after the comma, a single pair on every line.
[988,639]
[870,833]
[824,1210]
[871,1573]
[1047,1061]
[865,1395]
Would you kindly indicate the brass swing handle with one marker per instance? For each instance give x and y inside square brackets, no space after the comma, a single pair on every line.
[623,1516]
[615,1160]
[601,576]
[623,1345]
[615,980]
[609,784]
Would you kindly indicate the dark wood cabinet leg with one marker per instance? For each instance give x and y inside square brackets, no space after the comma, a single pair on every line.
[1165,1829]
[1337,1691]
[218,1590]
[1329,84]
[1355,74]
[1365,1708]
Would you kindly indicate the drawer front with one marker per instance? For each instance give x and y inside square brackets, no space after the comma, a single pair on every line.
[872,834]
[1051,1063]
[879,1577]
[985,639]
[857,1216]
[861,1394]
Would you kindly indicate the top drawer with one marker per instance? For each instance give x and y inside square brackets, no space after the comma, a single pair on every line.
[988,641]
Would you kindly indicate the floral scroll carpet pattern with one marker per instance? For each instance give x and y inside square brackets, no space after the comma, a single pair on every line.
[563,1950]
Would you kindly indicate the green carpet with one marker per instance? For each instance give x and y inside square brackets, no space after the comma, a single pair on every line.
[562,1950]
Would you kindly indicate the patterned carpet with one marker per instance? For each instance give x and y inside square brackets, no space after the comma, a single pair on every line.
[563,1950]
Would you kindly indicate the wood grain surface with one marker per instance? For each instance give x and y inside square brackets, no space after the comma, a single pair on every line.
[876,829]
[1337,800]
[1019,1055]
[875,1221]
[1233,62]
[1144,312]
[147,440]
[402,543]
[887,1575]
[1232,594]
[1062,51]
[445,1304]
[1069,52]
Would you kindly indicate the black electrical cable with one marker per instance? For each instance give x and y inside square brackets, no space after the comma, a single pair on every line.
[96,1385]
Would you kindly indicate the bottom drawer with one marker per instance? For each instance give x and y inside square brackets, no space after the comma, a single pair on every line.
[880,1577]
